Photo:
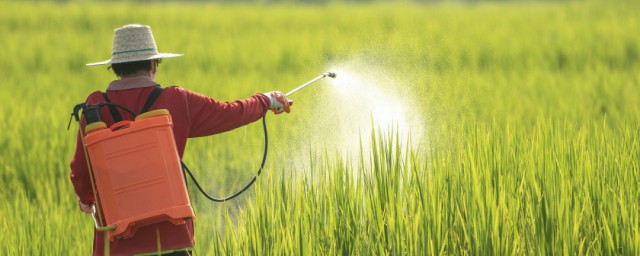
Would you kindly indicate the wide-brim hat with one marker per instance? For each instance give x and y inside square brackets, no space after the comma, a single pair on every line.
[134,43]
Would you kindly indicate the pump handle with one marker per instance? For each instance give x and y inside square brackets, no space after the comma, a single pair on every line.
[120,125]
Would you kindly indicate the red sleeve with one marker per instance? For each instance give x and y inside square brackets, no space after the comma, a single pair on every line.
[209,116]
[80,172]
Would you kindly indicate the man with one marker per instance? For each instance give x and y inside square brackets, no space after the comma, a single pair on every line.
[135,60]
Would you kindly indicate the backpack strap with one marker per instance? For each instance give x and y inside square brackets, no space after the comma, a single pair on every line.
[114,111]
[147,105]
[152,98]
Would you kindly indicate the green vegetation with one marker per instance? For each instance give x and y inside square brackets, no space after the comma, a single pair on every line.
[528,121]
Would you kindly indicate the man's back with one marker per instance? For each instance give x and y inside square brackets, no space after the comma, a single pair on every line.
[193,115]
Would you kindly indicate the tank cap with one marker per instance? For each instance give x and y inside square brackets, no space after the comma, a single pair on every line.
[94,126]
[152,113]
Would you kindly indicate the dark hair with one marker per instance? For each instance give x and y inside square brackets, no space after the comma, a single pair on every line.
[128,68]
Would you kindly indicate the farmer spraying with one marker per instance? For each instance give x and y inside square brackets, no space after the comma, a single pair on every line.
[135,59]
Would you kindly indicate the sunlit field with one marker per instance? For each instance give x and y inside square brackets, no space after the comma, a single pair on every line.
[451,128]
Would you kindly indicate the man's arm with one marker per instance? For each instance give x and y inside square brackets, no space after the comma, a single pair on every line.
[209,116]
[80,173]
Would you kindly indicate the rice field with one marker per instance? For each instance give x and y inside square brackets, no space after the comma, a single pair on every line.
[451,129]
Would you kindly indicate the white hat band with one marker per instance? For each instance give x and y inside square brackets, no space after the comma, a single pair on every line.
[153,50]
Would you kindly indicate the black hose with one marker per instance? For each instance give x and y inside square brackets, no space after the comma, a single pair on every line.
[264,159]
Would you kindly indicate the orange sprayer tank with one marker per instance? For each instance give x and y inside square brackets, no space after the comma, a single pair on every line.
[137,173]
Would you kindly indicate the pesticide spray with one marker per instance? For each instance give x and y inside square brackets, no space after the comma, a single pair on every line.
[363,100]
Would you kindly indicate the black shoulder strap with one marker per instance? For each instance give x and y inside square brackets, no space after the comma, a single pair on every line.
[147,105]
[152,98]
[114,111]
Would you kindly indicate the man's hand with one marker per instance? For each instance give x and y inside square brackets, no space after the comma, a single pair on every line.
[86,208]
[279,102]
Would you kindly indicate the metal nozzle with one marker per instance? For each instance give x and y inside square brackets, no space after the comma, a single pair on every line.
[330,74]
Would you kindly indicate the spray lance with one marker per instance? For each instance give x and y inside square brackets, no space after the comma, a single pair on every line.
[266,145]
[328,74]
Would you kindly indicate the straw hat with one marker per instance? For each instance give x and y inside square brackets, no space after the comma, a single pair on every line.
[134,43]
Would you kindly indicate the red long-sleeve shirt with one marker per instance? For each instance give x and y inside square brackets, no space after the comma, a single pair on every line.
[193,115]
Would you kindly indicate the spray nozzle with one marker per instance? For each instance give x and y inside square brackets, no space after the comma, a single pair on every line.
[330,74]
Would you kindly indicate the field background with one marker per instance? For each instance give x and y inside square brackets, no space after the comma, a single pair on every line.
[518,133]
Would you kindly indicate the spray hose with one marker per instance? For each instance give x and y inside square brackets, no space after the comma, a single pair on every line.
[264,160]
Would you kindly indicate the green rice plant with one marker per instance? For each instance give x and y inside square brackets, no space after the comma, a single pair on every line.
[498,190]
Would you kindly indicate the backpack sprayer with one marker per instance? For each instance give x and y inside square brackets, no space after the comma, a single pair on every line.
[132,162]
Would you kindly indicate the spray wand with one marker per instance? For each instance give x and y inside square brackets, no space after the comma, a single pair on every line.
[328,74]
